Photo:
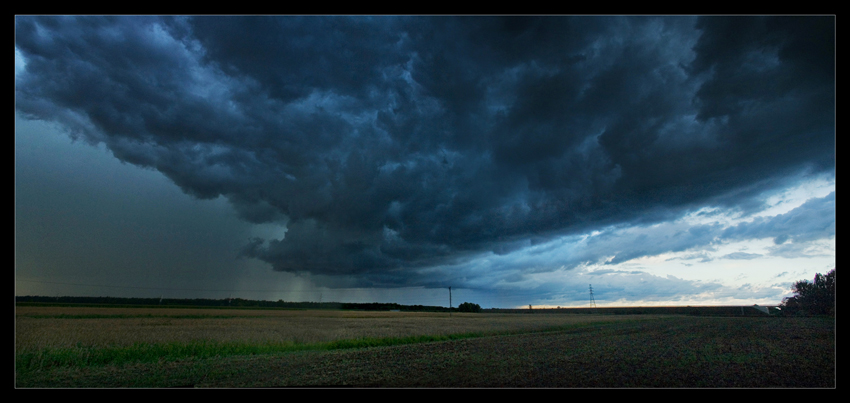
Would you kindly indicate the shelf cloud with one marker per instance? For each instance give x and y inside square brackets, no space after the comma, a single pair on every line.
[391,146]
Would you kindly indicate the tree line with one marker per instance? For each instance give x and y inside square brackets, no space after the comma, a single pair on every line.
[239,302]
[816,297]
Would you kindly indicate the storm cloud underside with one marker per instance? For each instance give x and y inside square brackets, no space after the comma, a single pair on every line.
[388,146]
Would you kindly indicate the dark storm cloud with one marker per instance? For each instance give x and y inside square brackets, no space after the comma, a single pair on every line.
[802,228]
[813,220]
[393,143]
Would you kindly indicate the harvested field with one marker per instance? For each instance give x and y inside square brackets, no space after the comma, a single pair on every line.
[38,328]
[672,351]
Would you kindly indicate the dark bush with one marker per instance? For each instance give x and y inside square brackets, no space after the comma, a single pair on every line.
[469,307]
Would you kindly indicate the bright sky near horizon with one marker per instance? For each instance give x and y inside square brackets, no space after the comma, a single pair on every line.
[664,160]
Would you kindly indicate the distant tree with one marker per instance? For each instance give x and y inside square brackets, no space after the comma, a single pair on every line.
[812,298]
[468,307]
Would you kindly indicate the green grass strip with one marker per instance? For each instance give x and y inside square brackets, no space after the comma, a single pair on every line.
[84,356]
[126,316]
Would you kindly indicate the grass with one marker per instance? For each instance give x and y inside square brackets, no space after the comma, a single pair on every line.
[413,350]
[83,355]
[125,316]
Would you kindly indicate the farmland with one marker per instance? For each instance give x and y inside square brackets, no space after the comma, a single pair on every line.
[140,347]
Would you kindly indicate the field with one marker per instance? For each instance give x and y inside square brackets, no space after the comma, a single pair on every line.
[145,347]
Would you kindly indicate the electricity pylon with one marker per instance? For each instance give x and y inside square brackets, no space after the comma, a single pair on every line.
[592,301]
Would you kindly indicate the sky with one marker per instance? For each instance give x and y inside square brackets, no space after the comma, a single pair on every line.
[675,160]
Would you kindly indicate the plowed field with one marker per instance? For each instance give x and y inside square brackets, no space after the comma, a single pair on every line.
[675,351]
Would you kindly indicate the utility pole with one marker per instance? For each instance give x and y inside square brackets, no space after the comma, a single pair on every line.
[450,302]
